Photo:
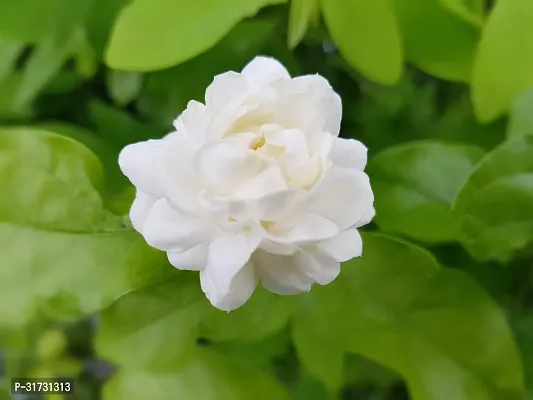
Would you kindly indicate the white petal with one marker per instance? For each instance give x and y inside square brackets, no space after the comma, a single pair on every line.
[298,110]
[345,197]
[140,208]
[330,101]
[223,164]
[281,274]
[194,259]
[228,253]
[267,182]
[173,165]
[239,291]
[307,228]
[262,71]
[343,247]
[369,215]
[137,162]
[349,153]
[322,269]
[225,88]
[166,229]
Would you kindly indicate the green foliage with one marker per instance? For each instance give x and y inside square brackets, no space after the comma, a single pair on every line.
[505,58]
[415,185]
[438,310]
[495,205]
[367,36]
[174,31]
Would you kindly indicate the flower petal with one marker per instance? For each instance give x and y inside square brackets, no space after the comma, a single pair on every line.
[322,269]
[228,253]
[343,247]
[262,71]
[365,219]
[166,229]
[264,183]
[223,164]
[240,290]
[281,274]
[349,153]
[345,197]
[194,259]
[140,208]
[307,228]
[224,89]
[137,162]
[330,101]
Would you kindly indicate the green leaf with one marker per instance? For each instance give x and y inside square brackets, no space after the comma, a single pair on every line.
[9,52]
[301,14]
[319,355]
[434,326]
[26,20]
[367,36]
[415,185]
[208,376]
[495,206]
[505,59]
[156,34]
[523,328]
[247,323]
[521,115]
[43,64]
[159,322]
[57,234]
[124,86]
[166,93]
[118,127]
[435,40]
[472,11]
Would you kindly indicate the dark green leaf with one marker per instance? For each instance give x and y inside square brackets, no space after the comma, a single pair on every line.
[495,206]
[435,326]
[416,183]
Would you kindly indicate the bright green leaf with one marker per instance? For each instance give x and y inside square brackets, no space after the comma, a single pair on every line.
[416,183]
[301,14]
[367,36]
[435,40]
[63,253]
[495,206]
[319,355]
[435,326]
[159,322]
[209,376]
[472,11]
[124,86]
[166,93]
[505,59]
[521,115]
[155,34]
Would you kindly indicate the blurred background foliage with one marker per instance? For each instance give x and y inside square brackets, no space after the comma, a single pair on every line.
[439,307]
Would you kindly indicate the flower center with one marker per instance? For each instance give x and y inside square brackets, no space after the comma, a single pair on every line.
[260,143]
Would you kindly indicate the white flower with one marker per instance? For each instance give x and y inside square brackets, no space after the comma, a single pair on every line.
[254,186]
